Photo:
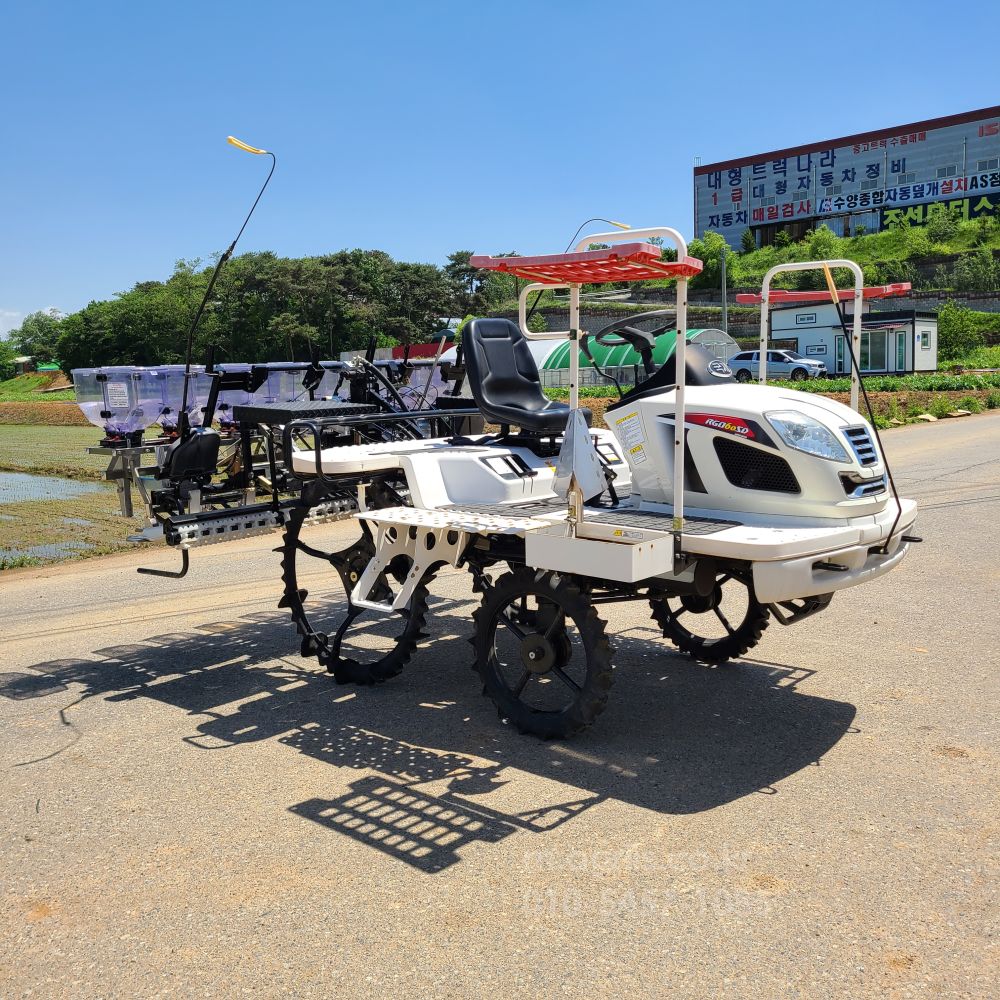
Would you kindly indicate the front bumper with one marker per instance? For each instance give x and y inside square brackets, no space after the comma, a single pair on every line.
[809,576]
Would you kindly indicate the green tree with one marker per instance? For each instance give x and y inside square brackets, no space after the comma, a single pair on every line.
[419,299]
[978,271]
[38,335]
[986,228]
[7,355]
[941,227]
[288,329]
[465,279]
[957,332]
[537,323]
[748,242]
[709,250]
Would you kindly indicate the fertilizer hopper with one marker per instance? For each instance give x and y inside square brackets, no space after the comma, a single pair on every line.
[286,381]
[170,380]
[122,400]
[332,380]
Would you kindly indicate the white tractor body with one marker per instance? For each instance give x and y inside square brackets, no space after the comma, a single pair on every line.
[739,461]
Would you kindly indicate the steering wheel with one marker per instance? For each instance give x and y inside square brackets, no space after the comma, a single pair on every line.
[621,332]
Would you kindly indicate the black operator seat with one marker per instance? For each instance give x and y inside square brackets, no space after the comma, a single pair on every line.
[504,379]
[193,458]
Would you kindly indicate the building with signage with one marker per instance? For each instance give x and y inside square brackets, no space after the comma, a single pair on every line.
[899,342]
[858,183]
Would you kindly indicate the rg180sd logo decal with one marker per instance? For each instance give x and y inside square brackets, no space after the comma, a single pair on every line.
[719,422]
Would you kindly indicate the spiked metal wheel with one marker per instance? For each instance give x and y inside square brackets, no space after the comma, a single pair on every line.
[355,645]
[721,626]
[542,653]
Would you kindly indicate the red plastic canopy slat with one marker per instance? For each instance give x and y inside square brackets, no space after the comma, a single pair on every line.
[779,295]
[621,262]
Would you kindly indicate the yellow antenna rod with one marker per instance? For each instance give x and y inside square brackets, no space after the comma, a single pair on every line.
[246,147]
[830,284]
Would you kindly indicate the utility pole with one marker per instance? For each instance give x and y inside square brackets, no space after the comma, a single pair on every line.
[725,304]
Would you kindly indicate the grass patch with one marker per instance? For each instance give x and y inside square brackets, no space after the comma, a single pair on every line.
[981,357]
[18,562]
[51,451]
[586,392]
[28,389]
[883,256]
[901,405]
[941,406]
[931,382]
[970,403]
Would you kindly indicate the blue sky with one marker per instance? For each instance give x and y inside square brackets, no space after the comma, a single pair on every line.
[421,128]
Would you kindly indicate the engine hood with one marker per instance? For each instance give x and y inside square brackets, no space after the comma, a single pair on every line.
[739,461]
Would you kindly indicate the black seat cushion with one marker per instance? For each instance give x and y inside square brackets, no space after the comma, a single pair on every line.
[504,379]
[192,458]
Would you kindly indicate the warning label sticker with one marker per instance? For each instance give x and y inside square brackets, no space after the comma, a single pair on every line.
[117,394]
[629,430]
[637,454]
[622,533]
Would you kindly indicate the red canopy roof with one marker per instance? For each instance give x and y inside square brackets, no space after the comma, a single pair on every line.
[783,295]
[621,262]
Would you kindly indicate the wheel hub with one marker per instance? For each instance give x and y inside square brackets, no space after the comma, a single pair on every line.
[537,654]
[698,604]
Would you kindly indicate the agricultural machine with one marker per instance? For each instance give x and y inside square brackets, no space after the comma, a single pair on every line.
[720,506]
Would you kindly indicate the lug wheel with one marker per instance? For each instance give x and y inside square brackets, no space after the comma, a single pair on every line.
[542,653]
[357,646]
[742,375]
[799,375]
[721,626]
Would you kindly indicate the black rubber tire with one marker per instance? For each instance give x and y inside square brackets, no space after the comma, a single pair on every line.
[591,695]
[742,375]
[740,639]
[799,374]
[348,563]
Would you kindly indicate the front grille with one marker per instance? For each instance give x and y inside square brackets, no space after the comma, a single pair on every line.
[753,469]
[868,488]
[861,442]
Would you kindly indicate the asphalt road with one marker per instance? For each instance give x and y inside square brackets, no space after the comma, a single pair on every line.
[191,809]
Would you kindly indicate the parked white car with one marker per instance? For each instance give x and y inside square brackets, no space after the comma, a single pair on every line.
[780,364]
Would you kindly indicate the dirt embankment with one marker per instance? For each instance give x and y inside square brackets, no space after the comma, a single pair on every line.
[51,413]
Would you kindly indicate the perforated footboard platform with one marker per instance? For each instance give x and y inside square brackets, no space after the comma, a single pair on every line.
[656,521]
[623,517]
[527,508]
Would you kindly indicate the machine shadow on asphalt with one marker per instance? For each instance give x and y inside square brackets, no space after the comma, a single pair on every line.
[679,738]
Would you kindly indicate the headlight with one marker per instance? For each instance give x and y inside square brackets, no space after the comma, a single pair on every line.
[805,434]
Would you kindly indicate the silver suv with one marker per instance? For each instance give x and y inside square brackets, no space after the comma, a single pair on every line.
[780,364]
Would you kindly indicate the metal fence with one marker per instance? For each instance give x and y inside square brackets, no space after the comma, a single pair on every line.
[558,378]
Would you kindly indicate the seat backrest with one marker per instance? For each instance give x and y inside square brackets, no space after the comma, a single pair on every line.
[193,458]
[502,372]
